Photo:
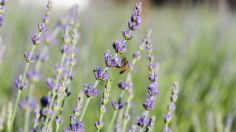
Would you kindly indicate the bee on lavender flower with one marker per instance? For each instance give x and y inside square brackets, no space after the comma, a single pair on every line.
[125,66]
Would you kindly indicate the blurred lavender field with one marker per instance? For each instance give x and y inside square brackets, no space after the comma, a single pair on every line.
[194,45]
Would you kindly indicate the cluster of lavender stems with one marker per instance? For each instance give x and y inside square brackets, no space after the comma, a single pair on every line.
[171,106]
[34,76]
[22,82]
[59,86]
[50,112]
[2,11]
[101,74]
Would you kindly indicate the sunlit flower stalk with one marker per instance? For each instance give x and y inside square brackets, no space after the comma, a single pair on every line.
[171,107]
[22,83]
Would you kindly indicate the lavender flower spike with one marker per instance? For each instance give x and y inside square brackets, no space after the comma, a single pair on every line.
[104,101]
[171,107]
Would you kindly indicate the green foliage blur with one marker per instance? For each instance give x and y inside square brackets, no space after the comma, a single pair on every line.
[195,46]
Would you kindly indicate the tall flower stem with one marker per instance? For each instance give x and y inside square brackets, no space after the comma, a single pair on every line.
[15,109]
[112,120]
[30,93]
[85,108]
[20,90]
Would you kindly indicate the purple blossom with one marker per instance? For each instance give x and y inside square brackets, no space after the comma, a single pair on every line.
[171,107]
[124,85]
[34,76]
[77,126]
[119,46]
[36,39]
[100,74]
[28,104]
[112,61]
[117,105]
[152,89]
[142,121]
[167,117]
[90,91]
[59,70]
[42,27]
[50,83]
[136,55]
[42,56]
[149,103]
[152,77]
[127,34]
[20,84]
[99,124]
[29,57]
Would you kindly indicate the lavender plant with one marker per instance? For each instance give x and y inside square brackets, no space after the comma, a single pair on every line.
[171,107]
[22,83]
[143,121]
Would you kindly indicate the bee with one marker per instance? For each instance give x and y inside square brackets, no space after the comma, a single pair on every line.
[125,66]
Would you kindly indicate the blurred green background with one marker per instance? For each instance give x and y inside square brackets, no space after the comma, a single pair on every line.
[193,44]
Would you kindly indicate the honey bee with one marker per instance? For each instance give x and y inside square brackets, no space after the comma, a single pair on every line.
[125,66]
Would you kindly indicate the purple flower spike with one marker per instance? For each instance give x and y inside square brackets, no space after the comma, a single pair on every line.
[90,91]
[36,39]
[136,55]
[124,85]
[50,83]
[42,27]
[21,85]
[127,34]
[119,46]
[34,76]
[117,105]
[152,77]
[27,104]
[99,124]
[149,103]
[29,57]
[152,89]
[100,74]
[142,121]
[167,117]
[112,61]
[77,126]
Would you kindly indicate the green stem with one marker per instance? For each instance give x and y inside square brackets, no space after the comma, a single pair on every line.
[84,110]
[112,121]
[57,127]
[15,108]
